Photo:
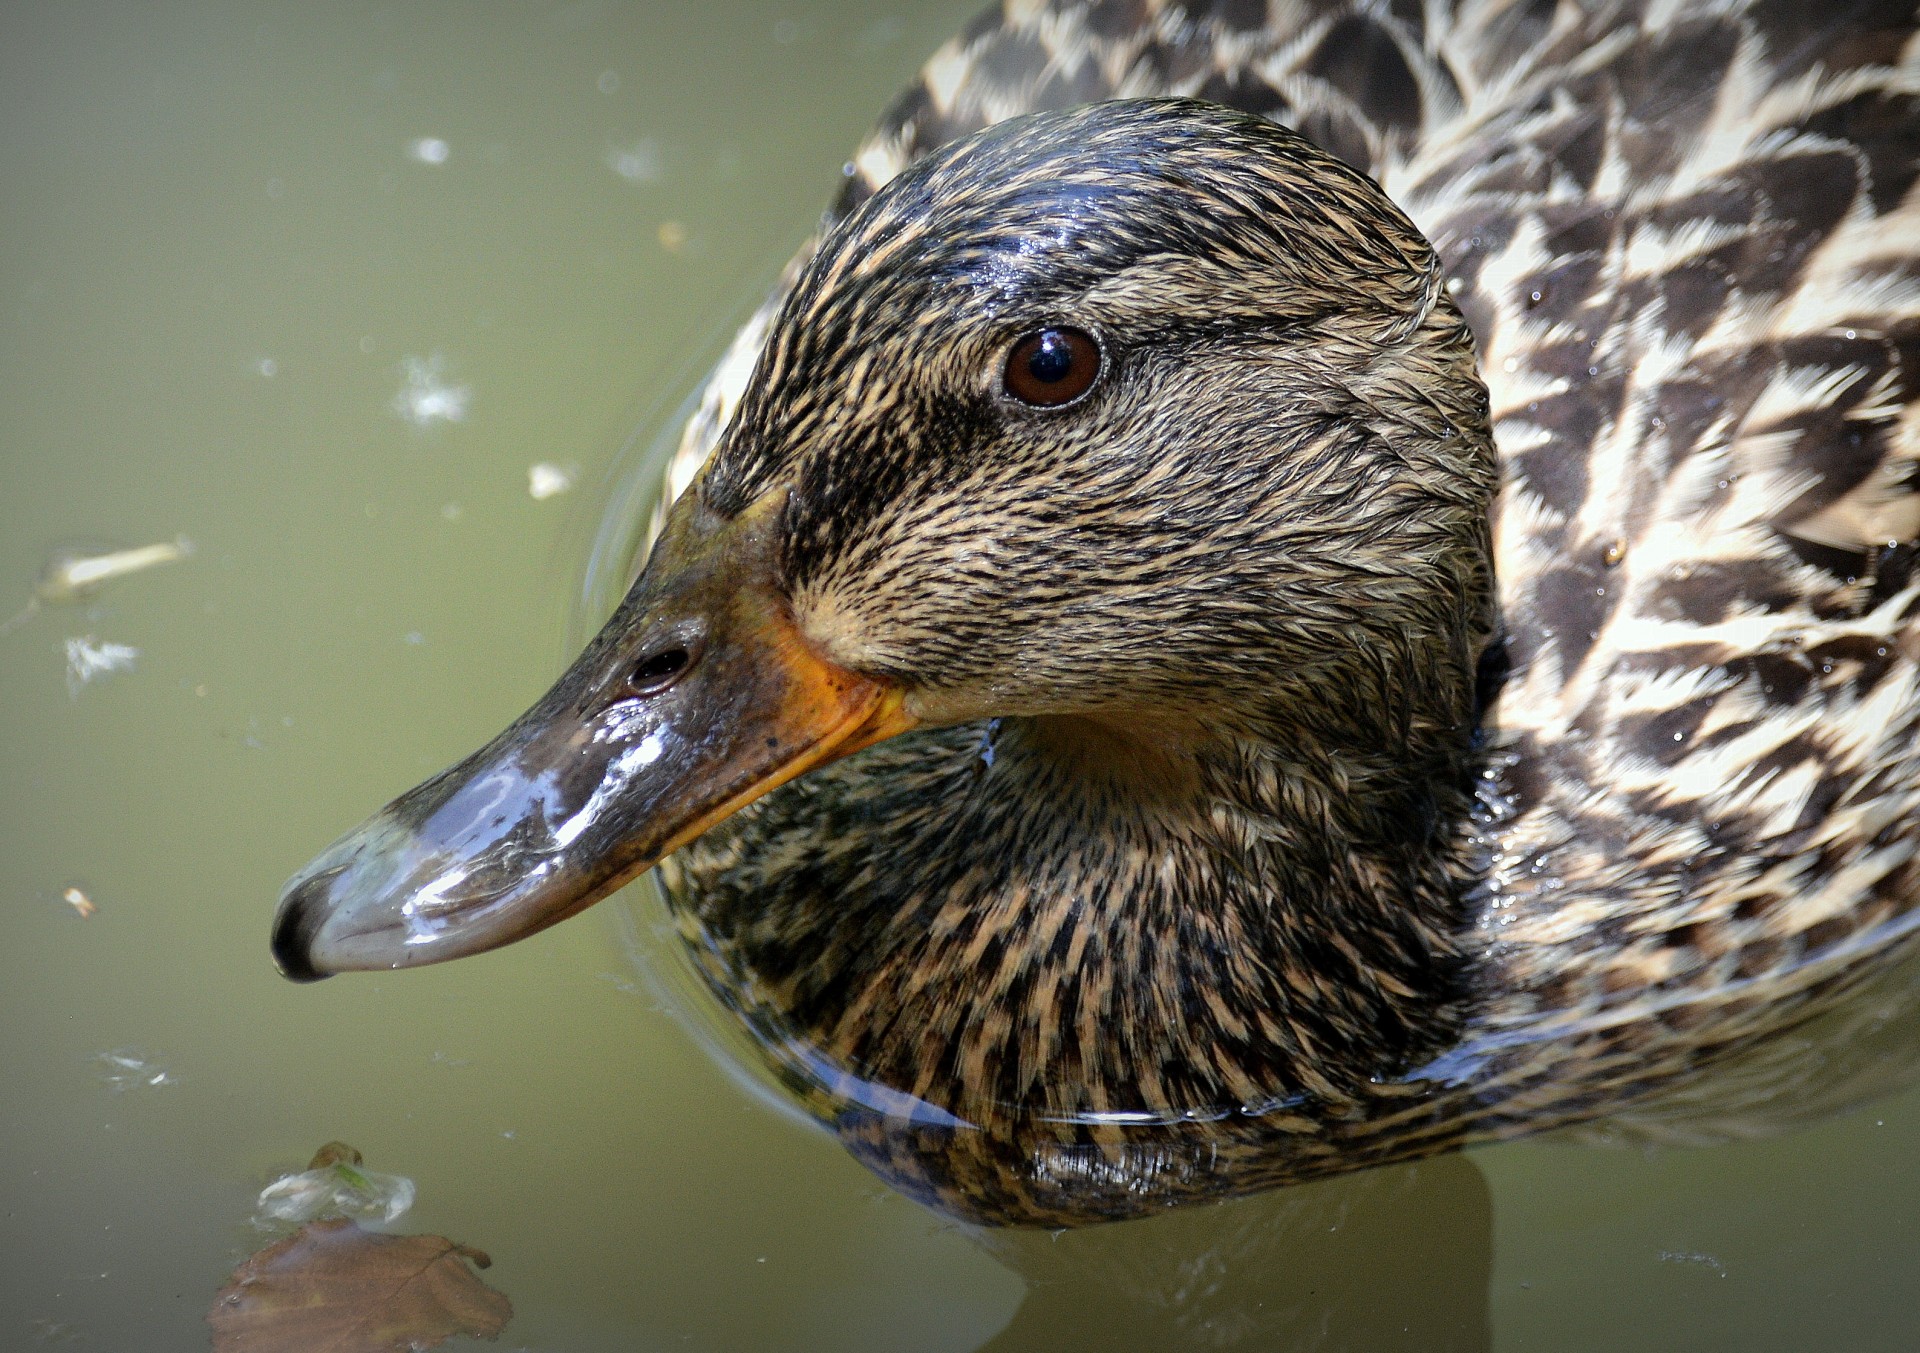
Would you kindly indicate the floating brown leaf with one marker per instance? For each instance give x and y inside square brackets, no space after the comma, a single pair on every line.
[331,1287]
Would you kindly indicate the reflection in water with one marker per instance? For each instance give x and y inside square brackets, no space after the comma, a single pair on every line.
[1866,1046]
[1391,1258]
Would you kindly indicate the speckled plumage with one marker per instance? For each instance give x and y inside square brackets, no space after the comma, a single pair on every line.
[1687,243]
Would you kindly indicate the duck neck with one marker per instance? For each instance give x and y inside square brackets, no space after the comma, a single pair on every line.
[1304,896]
[1084,916]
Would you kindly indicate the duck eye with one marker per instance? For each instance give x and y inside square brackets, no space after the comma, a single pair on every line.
[1052,367]
[657,671]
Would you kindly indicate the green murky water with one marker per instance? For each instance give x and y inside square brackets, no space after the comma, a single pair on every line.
[316,286]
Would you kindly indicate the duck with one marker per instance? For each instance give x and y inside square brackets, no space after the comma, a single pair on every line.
[1282,586]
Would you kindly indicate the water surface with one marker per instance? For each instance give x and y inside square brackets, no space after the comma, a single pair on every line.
[316,287]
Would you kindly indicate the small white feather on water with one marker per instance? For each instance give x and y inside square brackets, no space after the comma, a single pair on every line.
[547,480]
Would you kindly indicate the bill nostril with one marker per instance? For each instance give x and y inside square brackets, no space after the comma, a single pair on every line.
[657,671]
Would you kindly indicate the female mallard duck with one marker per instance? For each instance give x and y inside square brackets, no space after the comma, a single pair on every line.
[1299,754]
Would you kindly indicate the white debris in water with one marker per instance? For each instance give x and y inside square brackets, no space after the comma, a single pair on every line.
[547,480]
[89,658]
[125,1069]
[82,905]
[638,162]
[337,1190]
[72,576]
[426,396]
[1693,1257]
[430,150]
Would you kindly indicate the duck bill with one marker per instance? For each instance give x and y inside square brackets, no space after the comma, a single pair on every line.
[607,774]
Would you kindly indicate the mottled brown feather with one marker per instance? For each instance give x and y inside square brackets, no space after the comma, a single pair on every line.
[1687,242]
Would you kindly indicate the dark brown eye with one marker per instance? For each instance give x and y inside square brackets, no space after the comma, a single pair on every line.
[1052,367]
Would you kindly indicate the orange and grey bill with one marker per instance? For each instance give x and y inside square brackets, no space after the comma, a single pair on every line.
[603,777]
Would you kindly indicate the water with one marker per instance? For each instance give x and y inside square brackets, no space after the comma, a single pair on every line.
[317,287]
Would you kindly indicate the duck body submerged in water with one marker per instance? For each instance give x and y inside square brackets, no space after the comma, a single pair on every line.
[1298,746]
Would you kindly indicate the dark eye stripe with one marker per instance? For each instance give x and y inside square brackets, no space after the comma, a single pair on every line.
[1052,367]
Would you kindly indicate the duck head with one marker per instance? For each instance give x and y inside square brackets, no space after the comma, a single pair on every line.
[1144,423]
